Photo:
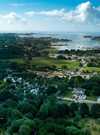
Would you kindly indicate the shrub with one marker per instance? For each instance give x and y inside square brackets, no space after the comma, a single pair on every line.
[25,130]
[95,110]
[84,110]
[86,131]
[72,131]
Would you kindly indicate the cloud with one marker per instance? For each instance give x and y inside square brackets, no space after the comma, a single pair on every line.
[83,13]
[11,18]
[52,13]
[55,12]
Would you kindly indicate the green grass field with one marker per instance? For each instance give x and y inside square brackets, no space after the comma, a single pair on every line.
[46,61]
[91,69]
[40,61]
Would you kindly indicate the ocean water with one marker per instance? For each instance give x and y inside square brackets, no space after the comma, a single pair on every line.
[77,40]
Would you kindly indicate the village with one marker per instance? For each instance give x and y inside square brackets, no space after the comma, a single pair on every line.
[77,94]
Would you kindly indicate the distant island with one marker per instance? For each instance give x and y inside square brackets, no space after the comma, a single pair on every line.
[92,37]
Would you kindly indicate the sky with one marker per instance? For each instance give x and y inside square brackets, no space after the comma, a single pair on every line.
[49,15]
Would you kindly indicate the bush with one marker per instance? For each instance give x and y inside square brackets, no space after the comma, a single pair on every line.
[84,110]
[72,131]
[61,57]
[3,116]
[15,126]
[26,107]
[25,130]
[95,110]
[74,107]
[86,131]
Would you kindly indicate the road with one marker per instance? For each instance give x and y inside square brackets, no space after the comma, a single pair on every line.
[78,101]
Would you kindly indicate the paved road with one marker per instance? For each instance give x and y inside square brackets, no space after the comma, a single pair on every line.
[78,101]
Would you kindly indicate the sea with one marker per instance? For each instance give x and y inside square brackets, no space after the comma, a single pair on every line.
[78,41]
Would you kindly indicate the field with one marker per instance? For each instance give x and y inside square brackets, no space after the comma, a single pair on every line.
[40,62]
[91,69]
[55,62]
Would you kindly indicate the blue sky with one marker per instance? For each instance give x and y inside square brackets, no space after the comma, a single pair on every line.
[49,15]
[42,4]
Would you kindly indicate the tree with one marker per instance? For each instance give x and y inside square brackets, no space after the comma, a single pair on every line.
[71,130]
[93,86]
[51,108]
[21,126]
[63,110]
[14,127]
[6,94]
[47,108]
[3,116]
[24,130]
[95,110]
[74,107]
[76,81]
[26,107]
[84,110]
[51,90]
[61,57]
[86,131]
[52,128]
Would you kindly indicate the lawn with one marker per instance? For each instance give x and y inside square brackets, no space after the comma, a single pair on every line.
[94,98]
[91,69]
[40,61]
